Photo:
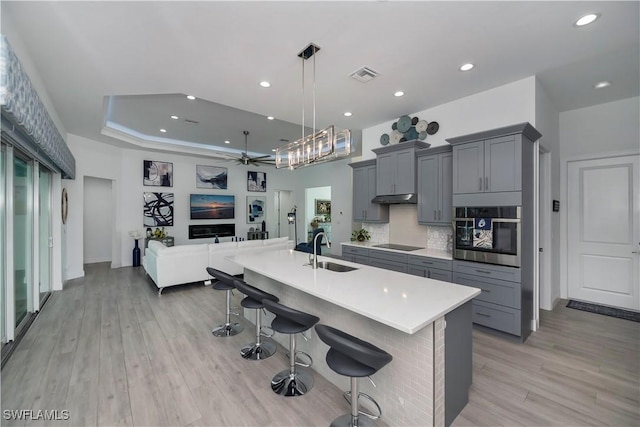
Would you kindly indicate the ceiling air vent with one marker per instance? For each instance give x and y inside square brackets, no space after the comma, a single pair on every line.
[193,122]
[364,74]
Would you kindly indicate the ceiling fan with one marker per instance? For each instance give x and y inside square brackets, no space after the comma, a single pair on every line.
[245,159]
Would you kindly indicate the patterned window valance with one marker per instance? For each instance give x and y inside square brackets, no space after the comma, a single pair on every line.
[22,106]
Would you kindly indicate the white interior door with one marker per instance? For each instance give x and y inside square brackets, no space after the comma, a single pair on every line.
[603,231]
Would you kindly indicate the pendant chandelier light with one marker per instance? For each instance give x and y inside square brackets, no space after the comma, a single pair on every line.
[320,146]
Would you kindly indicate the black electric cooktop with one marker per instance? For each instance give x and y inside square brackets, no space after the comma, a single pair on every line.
[398,247]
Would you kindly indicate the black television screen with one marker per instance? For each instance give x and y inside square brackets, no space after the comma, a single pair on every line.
[212,206]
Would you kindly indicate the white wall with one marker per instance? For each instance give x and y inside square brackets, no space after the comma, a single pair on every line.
[548,123]
[592,132]
[502,106]
[98,220]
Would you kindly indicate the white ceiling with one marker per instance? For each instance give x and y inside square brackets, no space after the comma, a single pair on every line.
[220,51]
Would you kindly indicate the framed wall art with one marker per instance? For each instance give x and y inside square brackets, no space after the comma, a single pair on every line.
[157,174]
[256,209]
[323,207]
[211,177]
[257,181]
[158,210]
[212,206]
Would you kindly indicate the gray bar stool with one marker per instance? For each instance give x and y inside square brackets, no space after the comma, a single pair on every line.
[257,350]
[292,381]
[352,357]
[225,283]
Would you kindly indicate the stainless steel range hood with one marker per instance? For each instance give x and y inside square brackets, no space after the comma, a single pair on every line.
[395,199]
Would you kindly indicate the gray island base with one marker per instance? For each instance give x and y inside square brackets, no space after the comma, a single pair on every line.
[402,314]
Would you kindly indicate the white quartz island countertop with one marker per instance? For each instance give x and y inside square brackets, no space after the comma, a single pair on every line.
[402,301]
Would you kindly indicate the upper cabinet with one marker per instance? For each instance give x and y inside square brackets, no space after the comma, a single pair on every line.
[364,189]
[435,173]
[490,162]
[396,168]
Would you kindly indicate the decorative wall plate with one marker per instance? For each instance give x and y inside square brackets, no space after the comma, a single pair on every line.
[421,126]
[395,136]
[411,134]
[404,123]
[422,135]
[384,139]
[433,128]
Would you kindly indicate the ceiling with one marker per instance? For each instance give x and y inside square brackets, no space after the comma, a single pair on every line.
[116,71]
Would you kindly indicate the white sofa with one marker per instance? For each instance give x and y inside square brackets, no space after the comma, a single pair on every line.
[176,265]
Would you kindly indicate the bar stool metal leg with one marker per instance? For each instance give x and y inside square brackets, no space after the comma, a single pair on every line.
[354,419]
[258,350]
[292,381]
[228,329]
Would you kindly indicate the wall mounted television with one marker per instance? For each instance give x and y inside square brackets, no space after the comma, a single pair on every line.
[212,206]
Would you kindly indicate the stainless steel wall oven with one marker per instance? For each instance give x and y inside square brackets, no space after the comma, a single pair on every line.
[488,234]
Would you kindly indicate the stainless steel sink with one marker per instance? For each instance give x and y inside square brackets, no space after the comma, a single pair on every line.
[328,265]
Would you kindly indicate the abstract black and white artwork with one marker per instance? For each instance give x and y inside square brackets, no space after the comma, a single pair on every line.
[256,209]
[158,210]
[158,174]
[211,177]
[257,181]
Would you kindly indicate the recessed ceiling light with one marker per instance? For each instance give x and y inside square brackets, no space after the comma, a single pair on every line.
[227,142]
[398,93]
[273,149]
[191,97]
[602,84]
[174,117]
[466,67]
[347,114]
[163,130]
[269,117]
[265,84]
[587,19]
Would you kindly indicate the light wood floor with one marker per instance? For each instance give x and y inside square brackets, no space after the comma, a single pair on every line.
[112,352]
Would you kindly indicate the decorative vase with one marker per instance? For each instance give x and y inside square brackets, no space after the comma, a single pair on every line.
[361,238]
[136,255]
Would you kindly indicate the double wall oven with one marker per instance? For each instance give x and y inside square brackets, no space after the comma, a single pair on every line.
[488,234]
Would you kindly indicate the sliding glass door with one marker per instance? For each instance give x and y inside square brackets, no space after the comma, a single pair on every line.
[22,237]
[45,239]
[3,242]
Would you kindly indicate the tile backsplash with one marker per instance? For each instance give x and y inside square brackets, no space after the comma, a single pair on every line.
[403,229]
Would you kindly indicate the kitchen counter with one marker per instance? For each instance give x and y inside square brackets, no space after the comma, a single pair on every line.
[402,314]
[426,252]
[401,301]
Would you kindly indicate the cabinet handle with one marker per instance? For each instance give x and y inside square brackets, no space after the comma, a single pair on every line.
[482,271]
[486,290]
[429,274]
[439,215]
[435,215]
[427,263]
[480,183]
[486,183]
[483,314]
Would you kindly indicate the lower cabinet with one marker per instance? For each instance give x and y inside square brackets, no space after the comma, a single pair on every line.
[355,254]
[499,304]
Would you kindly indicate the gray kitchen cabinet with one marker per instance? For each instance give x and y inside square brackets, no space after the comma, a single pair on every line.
[364,189]
[432,268]
[493,165]
[388,260]
[435,174]
[501,304]
[396,168]
[488,166]
[355,254]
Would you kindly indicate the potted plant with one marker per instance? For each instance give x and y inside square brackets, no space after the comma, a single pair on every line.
[360,235]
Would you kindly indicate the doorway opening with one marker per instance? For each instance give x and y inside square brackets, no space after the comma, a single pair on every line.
[317,212]
[98,221]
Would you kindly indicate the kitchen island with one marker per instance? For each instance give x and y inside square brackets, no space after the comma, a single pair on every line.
[402,314]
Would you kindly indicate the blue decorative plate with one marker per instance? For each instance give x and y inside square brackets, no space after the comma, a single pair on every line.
[394,126]
[404,123]
[411,134]
[422,135]
[384,139]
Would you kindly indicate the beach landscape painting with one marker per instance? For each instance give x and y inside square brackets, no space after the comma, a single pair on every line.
[211,177]
[212,206]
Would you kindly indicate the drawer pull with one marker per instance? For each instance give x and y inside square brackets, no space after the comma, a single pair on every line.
[486,290]
[483,271]
[483,314]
